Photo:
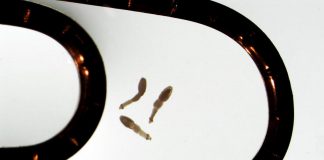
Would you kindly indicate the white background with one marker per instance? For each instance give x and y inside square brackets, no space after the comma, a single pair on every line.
[206,106]
[296,29]
[39,87]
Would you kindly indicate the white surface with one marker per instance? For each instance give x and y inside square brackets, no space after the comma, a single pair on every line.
[39,87]
[218,106]
[295,28]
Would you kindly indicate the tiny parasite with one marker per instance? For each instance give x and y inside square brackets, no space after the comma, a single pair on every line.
[141,91]
[164,96]
[129,123]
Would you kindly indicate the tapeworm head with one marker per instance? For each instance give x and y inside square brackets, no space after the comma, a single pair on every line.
[126,121]
[165,94]
[142,86]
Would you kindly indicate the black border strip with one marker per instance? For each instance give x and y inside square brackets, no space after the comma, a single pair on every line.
[252,39]
[91,74]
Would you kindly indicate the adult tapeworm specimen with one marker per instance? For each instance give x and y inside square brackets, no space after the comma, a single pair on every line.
[141,91]
[164,96]
[129,123]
